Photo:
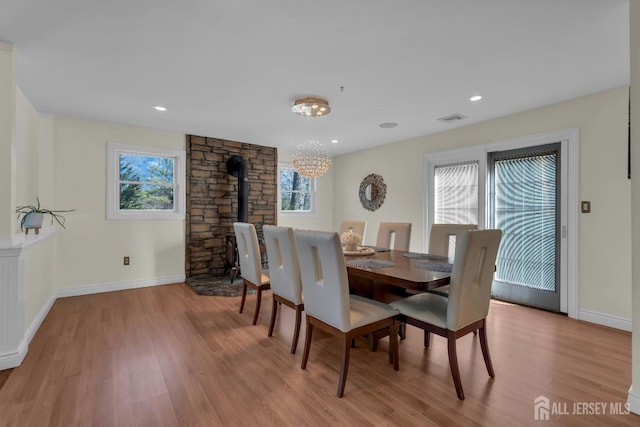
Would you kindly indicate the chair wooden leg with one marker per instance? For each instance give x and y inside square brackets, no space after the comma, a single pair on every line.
[391,355]
[427,338]
[244,296]
[373,343]
[274,311]
[258,303]
[344,367]
[393,347]
[453,363]
[307,344]
[296,330]
[485,350]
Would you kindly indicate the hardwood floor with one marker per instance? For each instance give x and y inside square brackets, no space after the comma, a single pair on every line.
[164,356]
[4,376]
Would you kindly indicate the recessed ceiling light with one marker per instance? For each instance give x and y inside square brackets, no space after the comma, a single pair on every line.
[159,108]
[388,125]
[334,141]
[475,98]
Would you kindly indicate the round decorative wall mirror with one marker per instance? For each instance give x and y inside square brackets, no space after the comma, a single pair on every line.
[373,190]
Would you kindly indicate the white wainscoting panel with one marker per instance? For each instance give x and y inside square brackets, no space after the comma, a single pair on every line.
[12,307]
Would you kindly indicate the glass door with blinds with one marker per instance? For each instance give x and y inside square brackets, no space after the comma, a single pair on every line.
[524,202]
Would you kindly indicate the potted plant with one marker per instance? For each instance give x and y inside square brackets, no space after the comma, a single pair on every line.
[32,216]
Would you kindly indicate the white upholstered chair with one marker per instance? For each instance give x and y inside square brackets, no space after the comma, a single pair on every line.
[466,308]
[358,227]
[250,264]
[329,306]
[399,231]
[439,240]
[440,236]
[284,275]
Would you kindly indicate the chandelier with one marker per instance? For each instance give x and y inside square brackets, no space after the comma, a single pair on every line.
[311,158]
[311,106]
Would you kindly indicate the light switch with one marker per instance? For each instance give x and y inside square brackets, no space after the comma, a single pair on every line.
[586,206]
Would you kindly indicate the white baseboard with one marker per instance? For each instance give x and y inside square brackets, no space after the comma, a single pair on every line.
[119,286]
[13,359]
[605,319]
[633,399]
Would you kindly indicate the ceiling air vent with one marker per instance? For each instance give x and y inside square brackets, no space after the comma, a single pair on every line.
[452,118]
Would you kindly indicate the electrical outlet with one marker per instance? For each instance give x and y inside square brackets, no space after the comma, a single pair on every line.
[126,260]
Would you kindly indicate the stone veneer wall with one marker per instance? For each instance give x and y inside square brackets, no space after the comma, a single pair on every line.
[212,198]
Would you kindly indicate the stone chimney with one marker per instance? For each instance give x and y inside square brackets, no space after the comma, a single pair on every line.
[212,198]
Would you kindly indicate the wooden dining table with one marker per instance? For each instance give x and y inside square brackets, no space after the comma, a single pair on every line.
[393,282]
[387,284]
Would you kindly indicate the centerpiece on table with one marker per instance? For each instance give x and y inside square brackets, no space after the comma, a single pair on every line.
[350,240]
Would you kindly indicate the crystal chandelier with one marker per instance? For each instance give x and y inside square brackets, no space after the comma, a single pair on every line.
[311,158]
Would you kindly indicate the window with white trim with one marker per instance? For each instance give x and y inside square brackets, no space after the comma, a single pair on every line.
[296,192]
[145,182]
[485,218]
[456,193]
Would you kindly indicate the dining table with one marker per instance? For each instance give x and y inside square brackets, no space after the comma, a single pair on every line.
[386,275]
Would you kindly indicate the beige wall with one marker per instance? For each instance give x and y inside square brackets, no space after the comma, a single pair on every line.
[7,137]
[91,249]
[34,177]
[604,280]
[39,278]
[400,166]
[27,170]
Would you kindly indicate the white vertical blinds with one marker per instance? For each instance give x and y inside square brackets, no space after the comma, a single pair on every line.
[456,193]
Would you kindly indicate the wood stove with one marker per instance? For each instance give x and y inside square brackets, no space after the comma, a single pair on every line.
[232,260]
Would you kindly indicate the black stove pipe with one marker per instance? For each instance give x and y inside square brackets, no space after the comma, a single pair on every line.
[238,168]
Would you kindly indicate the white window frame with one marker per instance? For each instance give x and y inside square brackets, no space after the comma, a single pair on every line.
[314,190]
[569,248]
[113,183]
[448,158]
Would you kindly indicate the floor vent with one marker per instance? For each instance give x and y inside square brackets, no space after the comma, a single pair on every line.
[452,118]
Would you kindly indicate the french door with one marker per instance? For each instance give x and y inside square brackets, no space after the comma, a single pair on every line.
[524,202]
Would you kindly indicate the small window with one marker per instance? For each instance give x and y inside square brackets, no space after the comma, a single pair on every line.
[456,193]
[145,183]
[296,191]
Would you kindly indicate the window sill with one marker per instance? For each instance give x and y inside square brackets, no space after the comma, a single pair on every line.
[145,215]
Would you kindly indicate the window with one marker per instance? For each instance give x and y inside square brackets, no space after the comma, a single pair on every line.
[445,166]
[456,193]
[296,191]
[145,183]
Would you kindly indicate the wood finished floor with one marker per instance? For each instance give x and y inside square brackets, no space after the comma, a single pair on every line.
[164,356]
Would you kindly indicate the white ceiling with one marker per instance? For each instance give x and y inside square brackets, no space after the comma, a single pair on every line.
[232,69]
